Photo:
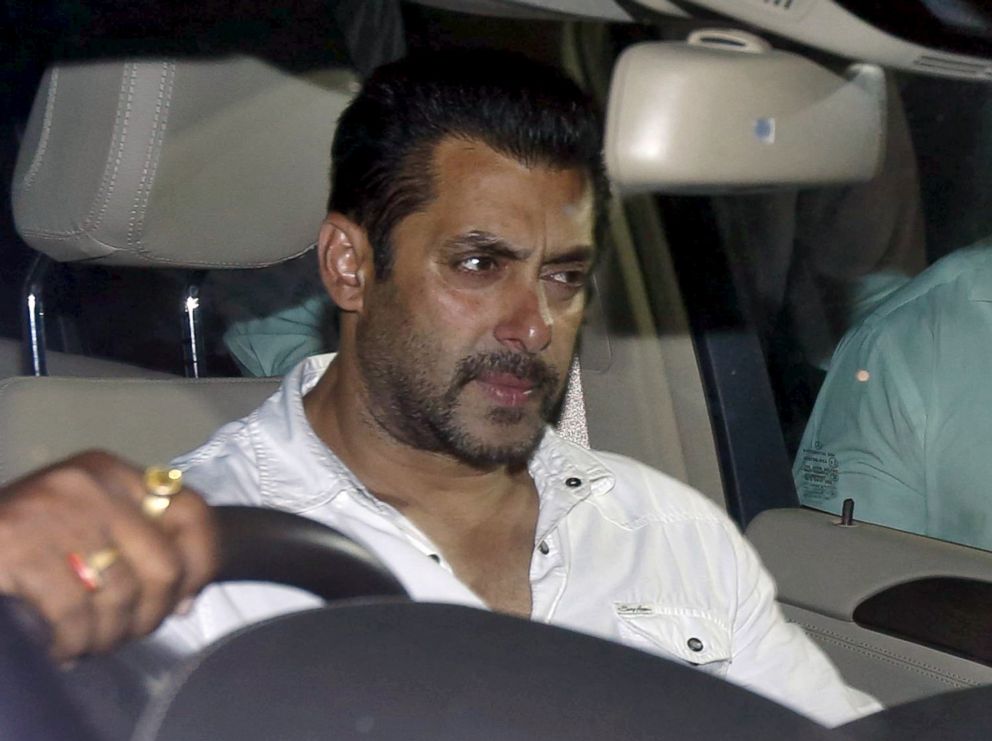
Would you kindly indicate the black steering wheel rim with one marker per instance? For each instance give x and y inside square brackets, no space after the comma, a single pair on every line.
[273,546]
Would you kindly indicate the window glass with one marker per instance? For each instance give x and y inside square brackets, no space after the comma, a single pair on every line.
[874,305]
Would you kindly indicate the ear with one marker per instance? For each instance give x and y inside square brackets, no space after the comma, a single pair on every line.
[345,258]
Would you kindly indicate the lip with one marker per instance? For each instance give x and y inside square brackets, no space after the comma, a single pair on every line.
[506,389]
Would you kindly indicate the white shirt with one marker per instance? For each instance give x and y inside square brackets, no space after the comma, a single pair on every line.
[621,551]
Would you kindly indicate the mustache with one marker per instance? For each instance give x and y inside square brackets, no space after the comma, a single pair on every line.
[543,376]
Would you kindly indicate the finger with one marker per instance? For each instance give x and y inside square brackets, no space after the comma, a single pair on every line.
[56,593]
[114,606]
[35,542]
[141,588]
[150,552]
[187,521]
[158,573]
[82,505]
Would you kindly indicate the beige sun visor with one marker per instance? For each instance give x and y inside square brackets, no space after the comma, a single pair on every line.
[723,111]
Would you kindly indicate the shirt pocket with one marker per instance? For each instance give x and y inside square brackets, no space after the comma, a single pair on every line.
[692,638]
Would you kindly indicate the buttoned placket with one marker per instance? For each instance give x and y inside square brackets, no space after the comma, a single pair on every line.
[548,572]
[398,523]
[549,562]
[548,575]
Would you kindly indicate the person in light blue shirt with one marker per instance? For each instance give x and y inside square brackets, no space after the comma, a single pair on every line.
[903,422]
[272,345]
[274,317]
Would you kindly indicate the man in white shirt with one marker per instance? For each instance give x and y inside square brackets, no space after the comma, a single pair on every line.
[466,193]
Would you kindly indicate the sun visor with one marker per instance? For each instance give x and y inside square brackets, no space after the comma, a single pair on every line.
[724,111]
[177,163]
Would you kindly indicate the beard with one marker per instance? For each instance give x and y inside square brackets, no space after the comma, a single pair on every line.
[410,399]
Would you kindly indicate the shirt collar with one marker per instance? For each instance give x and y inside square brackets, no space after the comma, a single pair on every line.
[564,473]
[312,475]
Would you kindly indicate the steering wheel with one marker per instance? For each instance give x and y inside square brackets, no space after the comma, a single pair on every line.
[391,669]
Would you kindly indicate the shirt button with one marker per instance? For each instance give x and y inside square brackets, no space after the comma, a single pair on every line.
[573,482]
[694,644]
[544,547]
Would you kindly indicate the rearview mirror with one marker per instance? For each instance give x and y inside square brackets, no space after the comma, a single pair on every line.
[723,111]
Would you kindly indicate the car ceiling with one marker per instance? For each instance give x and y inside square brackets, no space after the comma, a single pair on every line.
[601,9]
[923,41]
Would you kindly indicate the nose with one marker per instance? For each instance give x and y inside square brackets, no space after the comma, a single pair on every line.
[526,322]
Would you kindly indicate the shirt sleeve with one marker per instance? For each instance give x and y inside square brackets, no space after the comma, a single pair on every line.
[865,438]
[777,659]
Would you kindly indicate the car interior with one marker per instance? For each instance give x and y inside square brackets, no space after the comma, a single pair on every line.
[162,164]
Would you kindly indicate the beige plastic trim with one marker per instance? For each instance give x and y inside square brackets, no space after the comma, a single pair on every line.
[830,569]
[824,570]
[725,112]
[643,391]
[892,670]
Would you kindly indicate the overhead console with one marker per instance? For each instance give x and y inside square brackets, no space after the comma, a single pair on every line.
[951,38]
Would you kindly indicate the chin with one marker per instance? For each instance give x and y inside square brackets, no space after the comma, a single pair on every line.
[506,447]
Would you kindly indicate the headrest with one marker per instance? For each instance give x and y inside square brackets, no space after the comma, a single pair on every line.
[179,163]
[724,111]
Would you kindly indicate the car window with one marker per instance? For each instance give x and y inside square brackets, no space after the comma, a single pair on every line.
[869,310]
[872,305]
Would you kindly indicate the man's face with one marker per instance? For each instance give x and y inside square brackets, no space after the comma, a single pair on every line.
[465,347]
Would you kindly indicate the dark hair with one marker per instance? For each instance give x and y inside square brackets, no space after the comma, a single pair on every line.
[382,155]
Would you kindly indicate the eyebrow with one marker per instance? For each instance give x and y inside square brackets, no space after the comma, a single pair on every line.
[491,244]
[486,242]
[579,253]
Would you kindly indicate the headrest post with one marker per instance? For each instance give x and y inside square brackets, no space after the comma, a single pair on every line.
[194,356]
[33,317]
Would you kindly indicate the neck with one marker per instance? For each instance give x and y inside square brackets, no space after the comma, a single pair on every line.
[422,484]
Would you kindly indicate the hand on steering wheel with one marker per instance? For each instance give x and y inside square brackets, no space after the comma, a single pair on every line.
[85,543]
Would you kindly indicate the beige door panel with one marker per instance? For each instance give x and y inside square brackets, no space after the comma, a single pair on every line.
[825,571]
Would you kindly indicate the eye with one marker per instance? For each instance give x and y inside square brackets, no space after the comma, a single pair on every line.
[477,264]
[573,278]
[567,281]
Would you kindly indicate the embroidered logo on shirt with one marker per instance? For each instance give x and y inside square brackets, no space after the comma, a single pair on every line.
[625,608]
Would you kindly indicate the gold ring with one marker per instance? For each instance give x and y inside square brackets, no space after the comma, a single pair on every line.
[161,484]
[90,569]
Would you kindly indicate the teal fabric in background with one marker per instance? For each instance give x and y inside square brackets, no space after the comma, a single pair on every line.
[903,422]
[272,345]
